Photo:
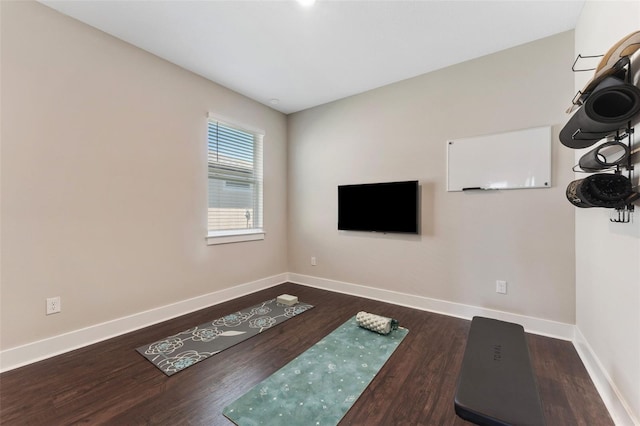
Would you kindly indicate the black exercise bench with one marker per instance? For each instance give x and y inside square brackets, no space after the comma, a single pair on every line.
[497,386]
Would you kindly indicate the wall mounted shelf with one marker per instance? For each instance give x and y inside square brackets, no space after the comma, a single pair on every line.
[604,114]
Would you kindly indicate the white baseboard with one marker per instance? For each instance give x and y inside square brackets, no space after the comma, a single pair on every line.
[533,325]
[619,410]
[56,345]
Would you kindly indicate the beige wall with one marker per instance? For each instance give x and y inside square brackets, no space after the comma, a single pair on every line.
[104,179]
[608,254]
[468,240]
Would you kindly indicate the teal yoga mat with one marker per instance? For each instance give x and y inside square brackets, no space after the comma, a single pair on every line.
[320,385]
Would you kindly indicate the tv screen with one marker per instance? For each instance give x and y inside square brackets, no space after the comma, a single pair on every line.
[379,207]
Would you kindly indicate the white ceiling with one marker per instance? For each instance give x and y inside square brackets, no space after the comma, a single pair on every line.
[309,56]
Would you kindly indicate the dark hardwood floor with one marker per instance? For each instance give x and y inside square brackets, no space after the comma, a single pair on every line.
[110,383]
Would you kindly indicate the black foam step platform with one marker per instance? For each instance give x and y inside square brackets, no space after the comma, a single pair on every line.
[497,386]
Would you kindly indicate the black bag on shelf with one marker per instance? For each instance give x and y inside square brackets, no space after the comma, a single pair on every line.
[600,190]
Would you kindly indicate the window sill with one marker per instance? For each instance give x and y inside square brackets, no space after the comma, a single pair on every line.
[226,237]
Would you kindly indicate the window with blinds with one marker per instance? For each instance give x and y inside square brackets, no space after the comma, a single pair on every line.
[234,181]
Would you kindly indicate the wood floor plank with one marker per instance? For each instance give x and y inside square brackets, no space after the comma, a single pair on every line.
[110,383]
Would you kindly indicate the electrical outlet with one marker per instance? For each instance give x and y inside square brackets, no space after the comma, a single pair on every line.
[54,305]
[313,261]
[501,287]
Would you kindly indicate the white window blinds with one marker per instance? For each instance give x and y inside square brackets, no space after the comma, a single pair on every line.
[234,181]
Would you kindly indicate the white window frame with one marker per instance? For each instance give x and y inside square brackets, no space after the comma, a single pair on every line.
[238,235]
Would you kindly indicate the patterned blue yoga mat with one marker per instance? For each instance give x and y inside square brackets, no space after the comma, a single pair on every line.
[182,350]
[320,385]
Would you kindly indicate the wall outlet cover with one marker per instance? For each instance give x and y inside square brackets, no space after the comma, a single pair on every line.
[54,305]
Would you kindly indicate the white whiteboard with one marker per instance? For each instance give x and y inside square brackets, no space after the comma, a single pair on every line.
[513,160]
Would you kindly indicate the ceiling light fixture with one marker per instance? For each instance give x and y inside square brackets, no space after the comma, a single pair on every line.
[306,3]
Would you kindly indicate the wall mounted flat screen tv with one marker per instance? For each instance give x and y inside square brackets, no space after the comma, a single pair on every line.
[379,207]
